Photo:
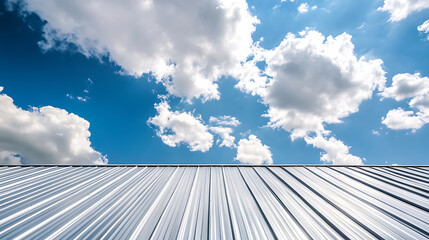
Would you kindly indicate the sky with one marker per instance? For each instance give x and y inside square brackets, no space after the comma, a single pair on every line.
[214,82]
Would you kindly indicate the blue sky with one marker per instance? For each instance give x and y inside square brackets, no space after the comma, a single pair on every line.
[149,81]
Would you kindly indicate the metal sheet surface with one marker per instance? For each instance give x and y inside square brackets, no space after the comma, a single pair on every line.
[214,202]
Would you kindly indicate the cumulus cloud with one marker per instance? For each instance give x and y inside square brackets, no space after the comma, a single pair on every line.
[45,135]
[310,81]
[176,127]
[225,134]
[413,87]
[314,80]
[424,28]
[187,46]
[406,85]
[421,103]
[222,126]
[225,121]
[251,78]
[252,151]
[304,7]
[400,9]
[335,151]
[399,119]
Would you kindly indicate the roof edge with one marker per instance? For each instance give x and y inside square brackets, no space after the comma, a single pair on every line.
[199,165]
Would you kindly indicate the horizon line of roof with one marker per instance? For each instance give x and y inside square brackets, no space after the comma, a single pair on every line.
[200,165]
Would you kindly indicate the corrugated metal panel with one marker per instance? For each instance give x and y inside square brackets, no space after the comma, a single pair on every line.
[214,202]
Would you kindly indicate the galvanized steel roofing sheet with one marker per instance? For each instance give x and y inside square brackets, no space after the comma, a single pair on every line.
[214,202]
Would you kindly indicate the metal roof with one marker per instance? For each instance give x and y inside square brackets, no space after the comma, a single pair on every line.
[214,202]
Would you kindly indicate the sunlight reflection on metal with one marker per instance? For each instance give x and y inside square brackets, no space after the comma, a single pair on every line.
[214,202]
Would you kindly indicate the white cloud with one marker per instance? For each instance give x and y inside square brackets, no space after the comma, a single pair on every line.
[336,152]
[303,8]
[375,132]
[313,80]
[406,85]
[282,1]
[224,132]
[399,119]
[415,88]
[252,151]
[85,97]
[82,99]
[186,46]
[45,135]
[176,127]
[251,79]
[424,28]
[400,9]
[225,135]
[421,103]
[79,98]
[225,121]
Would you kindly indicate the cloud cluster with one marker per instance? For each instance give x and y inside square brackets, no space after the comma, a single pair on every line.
[225,121]
[225,134]
[222,126]
[310,81]
[406,85]
[176,127]
[84,97]
[186,45]
[304,7]
[413,87]
[424,28]
[399,119]
[400,9]
[252,151]
[45,135]
[315,80]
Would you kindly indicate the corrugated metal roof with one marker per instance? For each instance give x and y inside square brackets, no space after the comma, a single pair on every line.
[214,202]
